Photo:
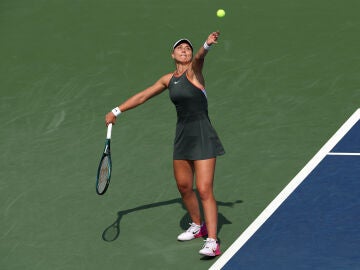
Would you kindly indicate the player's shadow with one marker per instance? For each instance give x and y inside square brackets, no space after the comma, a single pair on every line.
[112,232]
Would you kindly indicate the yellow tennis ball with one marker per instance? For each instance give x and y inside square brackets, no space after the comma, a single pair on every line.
[220,13]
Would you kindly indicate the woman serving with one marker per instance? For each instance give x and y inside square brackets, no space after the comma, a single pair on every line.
[196,144]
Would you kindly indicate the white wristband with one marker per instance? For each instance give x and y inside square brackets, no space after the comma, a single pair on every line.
[206,46]
[116,111]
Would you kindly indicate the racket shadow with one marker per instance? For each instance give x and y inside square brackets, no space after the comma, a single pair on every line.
[112,232]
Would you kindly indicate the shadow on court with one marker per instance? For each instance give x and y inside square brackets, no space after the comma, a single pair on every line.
[112,232]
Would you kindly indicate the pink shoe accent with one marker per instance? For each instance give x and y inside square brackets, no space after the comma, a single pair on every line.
[217,251]
[203,231]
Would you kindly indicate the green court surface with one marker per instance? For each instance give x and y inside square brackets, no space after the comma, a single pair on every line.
[281,81]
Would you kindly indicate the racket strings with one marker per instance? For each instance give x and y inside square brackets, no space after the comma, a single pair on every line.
[104,174]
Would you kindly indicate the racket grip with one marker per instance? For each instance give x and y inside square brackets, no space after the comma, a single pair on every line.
[109,129]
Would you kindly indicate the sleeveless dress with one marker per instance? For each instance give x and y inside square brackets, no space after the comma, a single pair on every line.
[195,137]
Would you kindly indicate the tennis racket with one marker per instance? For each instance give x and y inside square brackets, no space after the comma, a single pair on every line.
[104,170]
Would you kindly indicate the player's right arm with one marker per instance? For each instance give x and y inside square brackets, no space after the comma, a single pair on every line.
[141,97]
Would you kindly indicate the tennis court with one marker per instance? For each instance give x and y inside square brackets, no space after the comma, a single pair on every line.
[282,80]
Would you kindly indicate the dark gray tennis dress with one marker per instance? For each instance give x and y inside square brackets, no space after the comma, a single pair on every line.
[195,137]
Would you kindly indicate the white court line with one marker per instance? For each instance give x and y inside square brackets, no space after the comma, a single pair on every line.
[281,197]
[343,154]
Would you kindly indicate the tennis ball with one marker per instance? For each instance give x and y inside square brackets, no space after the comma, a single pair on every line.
[220,13]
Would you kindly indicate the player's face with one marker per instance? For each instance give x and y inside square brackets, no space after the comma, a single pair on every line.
[182,53]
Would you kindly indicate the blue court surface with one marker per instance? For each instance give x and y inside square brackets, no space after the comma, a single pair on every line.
[314,223]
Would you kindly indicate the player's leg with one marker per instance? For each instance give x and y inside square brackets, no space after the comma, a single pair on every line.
[184,176]
[204,171]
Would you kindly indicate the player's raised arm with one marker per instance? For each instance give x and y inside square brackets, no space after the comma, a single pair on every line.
[198,60]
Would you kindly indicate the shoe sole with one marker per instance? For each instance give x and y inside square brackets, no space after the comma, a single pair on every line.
[210,255]
[197,236]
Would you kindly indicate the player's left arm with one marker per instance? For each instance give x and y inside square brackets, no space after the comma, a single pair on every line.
[199,58]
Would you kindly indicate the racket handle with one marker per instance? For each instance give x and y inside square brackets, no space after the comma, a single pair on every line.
[109,128]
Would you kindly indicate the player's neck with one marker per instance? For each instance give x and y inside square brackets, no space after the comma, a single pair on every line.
[180,69]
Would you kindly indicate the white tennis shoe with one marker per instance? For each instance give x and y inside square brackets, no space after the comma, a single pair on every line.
[194,231]
[210,248]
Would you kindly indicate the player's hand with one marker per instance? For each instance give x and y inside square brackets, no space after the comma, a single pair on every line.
[212,38]
[110,118]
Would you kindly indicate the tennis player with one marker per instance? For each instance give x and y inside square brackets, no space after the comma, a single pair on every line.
[196,143]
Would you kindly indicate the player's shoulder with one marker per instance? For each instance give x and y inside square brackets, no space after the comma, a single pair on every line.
[165,79]
[167,76]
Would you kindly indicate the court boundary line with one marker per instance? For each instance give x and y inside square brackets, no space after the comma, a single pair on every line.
[343,154]
[286,192]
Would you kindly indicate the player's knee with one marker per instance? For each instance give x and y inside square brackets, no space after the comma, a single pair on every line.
[184,188]
[205,193]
